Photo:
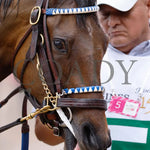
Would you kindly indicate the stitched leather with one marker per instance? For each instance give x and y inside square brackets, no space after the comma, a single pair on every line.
[82,103]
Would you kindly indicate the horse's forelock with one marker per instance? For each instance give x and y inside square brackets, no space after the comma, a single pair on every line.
[82,18]
[85,3]
[5,4]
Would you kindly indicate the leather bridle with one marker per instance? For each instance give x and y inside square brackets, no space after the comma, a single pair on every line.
[41,48]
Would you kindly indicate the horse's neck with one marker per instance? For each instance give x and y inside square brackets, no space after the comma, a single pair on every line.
[12,29]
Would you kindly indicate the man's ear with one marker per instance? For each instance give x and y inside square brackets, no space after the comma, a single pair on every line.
[148,5]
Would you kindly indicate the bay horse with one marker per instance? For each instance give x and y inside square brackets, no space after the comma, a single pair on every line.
[56,58]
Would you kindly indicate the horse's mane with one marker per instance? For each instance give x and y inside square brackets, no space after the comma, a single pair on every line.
[5,4]
[85,3]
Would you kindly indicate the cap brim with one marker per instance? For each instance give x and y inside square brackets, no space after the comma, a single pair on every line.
[121,5]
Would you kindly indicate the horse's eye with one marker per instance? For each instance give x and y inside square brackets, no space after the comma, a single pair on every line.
[60,45]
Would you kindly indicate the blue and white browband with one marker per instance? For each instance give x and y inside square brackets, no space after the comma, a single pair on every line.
[88,89]
[65,11]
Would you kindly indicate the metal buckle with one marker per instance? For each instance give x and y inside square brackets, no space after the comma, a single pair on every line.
[39,14]
[56,131]
[42,39]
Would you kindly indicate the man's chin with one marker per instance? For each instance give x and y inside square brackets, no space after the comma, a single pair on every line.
[125,48]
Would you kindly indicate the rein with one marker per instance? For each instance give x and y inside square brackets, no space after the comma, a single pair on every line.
[55,96]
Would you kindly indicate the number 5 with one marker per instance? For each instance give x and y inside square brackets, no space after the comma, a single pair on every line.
[118,104]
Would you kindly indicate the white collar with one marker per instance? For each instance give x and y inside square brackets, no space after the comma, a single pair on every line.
[143,49]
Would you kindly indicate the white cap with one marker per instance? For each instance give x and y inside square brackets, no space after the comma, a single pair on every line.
[121,5]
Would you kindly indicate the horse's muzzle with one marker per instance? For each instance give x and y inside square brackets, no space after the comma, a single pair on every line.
[91,140]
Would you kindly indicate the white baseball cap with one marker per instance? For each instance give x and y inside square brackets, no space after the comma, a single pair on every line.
[121,5]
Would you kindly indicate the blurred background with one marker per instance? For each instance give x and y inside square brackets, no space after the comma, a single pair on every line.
[11,139]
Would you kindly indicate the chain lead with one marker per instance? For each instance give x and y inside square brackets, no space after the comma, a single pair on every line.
[49,96]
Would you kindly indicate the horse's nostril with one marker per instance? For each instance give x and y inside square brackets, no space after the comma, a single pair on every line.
[92,140]
[89,136]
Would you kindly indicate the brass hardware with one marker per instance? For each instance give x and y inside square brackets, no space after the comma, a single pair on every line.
[45,86]
[44,109]
[49,96]
[39,14]
[42,38]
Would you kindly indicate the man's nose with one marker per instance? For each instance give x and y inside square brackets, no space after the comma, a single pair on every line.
[113,20]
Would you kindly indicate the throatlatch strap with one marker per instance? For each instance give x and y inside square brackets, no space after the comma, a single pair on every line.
[17,90]
[8,126]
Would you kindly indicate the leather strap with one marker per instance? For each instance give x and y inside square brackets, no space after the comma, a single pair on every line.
[49,52]
[47,73]
[82,103]
[21,43]
[25,126]
[34,42]
[32,99]
[10,125]
[33,49]
[17,90]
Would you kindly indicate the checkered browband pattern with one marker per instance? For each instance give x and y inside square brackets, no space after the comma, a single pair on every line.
[65,11]
[88,89]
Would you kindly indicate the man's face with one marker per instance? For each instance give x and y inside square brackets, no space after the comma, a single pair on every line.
[125,30]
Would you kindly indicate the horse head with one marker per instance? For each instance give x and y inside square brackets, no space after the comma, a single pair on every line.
[60,64]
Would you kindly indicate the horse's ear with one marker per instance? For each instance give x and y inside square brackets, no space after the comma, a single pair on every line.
[54,3]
